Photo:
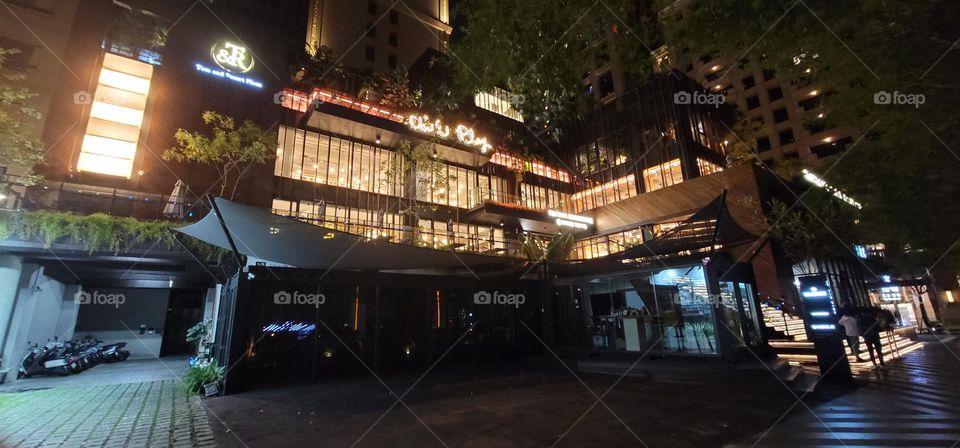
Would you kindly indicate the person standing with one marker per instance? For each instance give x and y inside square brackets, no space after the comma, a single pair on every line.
[852,331]
[870,328]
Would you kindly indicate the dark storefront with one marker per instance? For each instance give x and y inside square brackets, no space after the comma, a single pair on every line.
[290,325]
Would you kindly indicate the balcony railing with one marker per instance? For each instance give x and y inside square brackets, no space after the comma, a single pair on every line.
[87,199]
[432,238]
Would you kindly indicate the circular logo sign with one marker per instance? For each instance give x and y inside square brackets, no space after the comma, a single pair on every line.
[232,57]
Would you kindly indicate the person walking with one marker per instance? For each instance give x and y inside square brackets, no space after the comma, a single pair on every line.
[870,329]
[852,331]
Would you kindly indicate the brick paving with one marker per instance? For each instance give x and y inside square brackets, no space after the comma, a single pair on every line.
[146,414]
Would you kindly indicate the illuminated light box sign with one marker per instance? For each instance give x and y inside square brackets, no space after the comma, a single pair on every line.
[463,134]
[232,57]
[229,76]
[819,304]
[564,219]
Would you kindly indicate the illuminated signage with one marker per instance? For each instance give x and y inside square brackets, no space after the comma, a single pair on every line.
[228,76]
[815,293]
[232,57]
[564,219]
[117,109]
[820,183]
[463,134]
[818,303]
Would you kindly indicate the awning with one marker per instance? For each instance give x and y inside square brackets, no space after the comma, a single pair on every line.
[258,233]
[688,242]
[711,225]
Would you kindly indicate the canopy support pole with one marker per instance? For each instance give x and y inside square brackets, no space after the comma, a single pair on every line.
[233,246]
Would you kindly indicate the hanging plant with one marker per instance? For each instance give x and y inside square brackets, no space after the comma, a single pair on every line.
[98,232]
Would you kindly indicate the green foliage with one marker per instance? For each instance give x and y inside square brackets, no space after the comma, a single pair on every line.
[137,29]
[558,249]
[197,376]
[395,90]
[542,50]
[231,150]
[741,145]
[903,169]
[819,227]
[98,232]
[20,144]
[416,168]
[316,67]
[198,331]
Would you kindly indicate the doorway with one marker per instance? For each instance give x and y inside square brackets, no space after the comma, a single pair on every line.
[184,310]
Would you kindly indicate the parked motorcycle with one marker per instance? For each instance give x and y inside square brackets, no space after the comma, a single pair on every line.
[115,352]
[45,360]
[68,357]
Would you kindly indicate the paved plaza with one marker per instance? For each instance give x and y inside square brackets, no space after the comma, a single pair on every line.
[913,403]
[122,405]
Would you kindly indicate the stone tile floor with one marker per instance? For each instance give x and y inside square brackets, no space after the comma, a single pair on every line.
[148,413]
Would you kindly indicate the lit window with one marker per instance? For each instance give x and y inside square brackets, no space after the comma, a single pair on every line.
[497,102]
[663,175]
[605,194]
[708,167]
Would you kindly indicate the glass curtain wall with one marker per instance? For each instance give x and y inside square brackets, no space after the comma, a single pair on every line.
[330,160]
[669,310]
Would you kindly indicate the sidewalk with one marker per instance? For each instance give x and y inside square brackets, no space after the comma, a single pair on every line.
[916,403]
[149,414]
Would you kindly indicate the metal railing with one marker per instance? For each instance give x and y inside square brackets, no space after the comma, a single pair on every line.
[417,236]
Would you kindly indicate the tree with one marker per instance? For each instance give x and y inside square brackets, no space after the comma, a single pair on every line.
[20,144]
[816,229]
[888,70]
[542,50]
[885,69]
[415,169]
[231,150]
[138,29]
[315,67]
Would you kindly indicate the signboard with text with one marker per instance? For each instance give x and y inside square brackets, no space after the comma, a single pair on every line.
[820,316]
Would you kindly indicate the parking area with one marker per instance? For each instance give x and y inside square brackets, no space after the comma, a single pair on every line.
[129,371]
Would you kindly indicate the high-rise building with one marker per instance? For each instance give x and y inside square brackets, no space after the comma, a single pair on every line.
[378,35]
[791,115]
[39,31]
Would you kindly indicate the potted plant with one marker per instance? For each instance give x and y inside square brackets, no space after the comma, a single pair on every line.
[204,376]
[200,333]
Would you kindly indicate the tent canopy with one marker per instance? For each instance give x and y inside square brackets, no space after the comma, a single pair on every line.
[258,233]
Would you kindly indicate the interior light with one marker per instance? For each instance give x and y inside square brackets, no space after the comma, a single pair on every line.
[96,144]
[96,163]
[814,92]
[124,81]
[116,114]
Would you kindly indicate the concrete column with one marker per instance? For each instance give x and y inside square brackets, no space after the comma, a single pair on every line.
[10,269]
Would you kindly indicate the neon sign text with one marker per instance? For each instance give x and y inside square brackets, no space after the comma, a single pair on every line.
[463,134]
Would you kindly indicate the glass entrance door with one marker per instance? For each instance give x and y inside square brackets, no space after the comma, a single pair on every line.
[749,315]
